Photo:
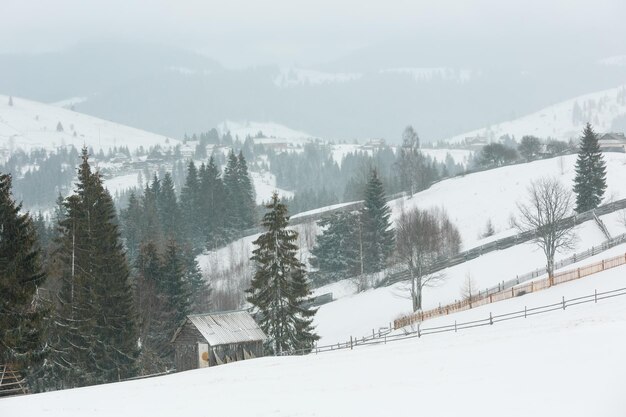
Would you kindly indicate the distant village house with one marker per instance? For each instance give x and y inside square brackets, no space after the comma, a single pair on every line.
[612,142]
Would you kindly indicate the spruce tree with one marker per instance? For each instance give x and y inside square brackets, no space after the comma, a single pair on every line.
[212,197]
[590,180]
[154,310]
[336,253]
[21,314]
[132,225]
[168,209]
[173,283]
[279,288]
[376,236]
[200,289]
[247,195]
[190,203]
[96,335]
[151,225]
[233,220]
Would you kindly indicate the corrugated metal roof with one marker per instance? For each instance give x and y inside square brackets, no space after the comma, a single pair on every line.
[227,327]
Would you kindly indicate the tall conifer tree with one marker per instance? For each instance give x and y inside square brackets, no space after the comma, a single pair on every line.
[247,195]
[96,336]
[336,254]
[168,209]
[21,316]
[190,205]
[590,180]
[212,204]
[233,220]
[279,288]
[377,237]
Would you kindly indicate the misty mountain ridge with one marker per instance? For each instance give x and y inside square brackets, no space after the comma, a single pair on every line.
[171,91]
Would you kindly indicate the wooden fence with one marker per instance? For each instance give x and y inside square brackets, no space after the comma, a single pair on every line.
[518,290]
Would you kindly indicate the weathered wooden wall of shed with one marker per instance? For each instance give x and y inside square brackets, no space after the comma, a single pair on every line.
[186,348]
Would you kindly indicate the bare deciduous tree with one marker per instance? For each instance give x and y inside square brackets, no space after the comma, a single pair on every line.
[468,290]
[549,203]
[421,237]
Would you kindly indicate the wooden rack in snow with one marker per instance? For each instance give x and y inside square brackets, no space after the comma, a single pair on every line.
[11,382]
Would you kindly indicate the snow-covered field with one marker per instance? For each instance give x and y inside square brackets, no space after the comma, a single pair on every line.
[29,124]
[472,200]
[264,185]
[122,183]
[269,129]
[562,363]
[599,108]
[336,320]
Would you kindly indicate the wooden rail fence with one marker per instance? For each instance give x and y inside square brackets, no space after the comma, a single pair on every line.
[515,291]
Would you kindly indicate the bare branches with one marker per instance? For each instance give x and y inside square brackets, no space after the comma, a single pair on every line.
[544,214]
[422,237]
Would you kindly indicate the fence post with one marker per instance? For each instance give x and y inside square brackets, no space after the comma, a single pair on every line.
[563,302]
[595,296]
[524,311]
[350,342]
[490,318]
[373,334]
[603,264]
[419,331]
[454,326]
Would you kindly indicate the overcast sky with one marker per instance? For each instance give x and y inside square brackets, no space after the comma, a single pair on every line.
[240,33]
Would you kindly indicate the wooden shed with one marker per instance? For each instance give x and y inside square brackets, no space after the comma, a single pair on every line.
[216,338]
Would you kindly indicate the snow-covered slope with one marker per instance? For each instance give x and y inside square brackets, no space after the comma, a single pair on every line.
[561,121]
[470,202]
[567,363]
[337,320]
[29,124]
[269,129]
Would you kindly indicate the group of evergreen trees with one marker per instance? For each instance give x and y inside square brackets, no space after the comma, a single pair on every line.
[317,179]
[106,311]
[215,209]
[355,243]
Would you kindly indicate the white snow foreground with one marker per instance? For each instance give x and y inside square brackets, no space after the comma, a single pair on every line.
[563,363]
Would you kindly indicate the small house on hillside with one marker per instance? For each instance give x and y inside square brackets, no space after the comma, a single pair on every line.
[216,338]
[612,142]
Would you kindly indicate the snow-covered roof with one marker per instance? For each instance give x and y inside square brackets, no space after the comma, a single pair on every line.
[227,327]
